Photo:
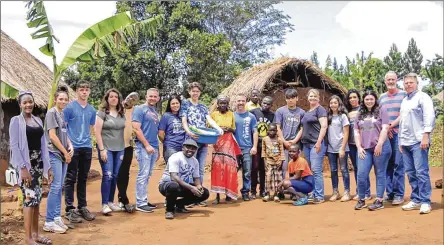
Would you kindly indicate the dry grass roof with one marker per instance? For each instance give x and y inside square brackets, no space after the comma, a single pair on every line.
[23,71]
[282,73]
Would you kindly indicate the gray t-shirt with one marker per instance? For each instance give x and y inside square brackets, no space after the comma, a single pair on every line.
[289,120]
[112,131]
[336,133]
[186,168]
[55,120]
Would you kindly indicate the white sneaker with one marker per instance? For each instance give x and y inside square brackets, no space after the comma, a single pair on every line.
[114,207]
[425,208]
[411,206]
[106,209]
[53,227]
[58,221]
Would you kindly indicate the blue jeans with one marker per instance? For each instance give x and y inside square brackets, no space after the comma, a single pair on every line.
[201,155]
[354,159]
[146,164]
[246,171]
[55,192]
[365,165]
[110,170]
[333,160]
[315,162]
[167,152]
[416,164]
[395,171]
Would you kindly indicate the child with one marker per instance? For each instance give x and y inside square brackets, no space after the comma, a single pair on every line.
[273,154]
[337,149]
[300,181]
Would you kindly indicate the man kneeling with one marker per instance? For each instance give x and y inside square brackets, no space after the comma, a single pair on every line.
[181,179]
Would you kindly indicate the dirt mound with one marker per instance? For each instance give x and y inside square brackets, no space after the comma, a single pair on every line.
[12,227]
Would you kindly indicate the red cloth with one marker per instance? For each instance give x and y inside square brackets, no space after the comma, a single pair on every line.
[224,166]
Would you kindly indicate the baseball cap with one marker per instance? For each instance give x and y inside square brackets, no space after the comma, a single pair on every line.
[190,142]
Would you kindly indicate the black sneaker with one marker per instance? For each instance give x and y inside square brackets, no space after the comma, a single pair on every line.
[245,197]
[281,196]
[145,209]
[253,196]
[182,210]
[377,204]
[73,216]
[86,214]
[169,215]
[360,205]
[152,206]
[263,194]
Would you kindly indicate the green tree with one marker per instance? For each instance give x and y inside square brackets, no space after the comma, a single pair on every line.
[328,66]
[393,61]
[335,64]
[412,59]
[314,59]
[434,71]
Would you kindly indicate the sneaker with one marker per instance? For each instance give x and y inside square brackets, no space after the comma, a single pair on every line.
[129,208]
[192,205]
[145,209]
[356,198]
[245,197]
[152,206]
[169,215]
[182,210]
[335,196]
[360,205]
[202,204]
[425,208]
[276,199]
[310,197]
[266,198]
[59,221]
[106,209]
[253,196]
[388,198]
[346,197]
[281,196]
[263,194]
[73,216]
[86,214]
[53,227]
[397,201]
[368,198]
[411,206]
[377,204]
[318,201]
[301,201]
[114,207]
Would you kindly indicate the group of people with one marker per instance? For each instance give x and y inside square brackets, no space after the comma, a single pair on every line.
[390,133]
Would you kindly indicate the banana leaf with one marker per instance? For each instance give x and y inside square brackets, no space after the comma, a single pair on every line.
[7,91]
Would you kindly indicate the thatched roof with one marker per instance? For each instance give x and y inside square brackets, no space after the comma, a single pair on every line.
[440,96]
[23,71]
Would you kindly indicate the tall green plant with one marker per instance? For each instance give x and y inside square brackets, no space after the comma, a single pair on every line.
[107,34]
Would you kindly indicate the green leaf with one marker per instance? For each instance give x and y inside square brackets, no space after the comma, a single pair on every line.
[7,91]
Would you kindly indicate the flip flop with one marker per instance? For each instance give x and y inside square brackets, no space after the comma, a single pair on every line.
[43,240]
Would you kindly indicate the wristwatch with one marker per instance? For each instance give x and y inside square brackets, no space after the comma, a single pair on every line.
[23,166]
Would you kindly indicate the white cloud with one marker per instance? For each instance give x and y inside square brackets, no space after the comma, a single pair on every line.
[69,19]
[376,25]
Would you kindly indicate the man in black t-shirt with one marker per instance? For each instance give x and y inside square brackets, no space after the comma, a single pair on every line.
[264,117]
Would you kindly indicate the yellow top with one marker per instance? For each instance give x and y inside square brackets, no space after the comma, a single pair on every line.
[250,106]
[128,131]
[224,120]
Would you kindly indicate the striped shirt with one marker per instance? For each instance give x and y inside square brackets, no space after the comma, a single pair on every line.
[392,103]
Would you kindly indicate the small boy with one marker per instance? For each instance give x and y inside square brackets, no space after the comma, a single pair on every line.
[300,181]
[273,154]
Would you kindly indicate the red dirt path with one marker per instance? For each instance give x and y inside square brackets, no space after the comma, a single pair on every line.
[252,222]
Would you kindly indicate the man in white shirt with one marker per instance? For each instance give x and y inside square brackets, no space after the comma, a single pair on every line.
[181,178]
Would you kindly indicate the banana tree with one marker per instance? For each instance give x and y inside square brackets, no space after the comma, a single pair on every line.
[108,34]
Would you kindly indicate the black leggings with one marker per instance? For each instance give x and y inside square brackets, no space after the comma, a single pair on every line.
[172,190]
[123,176]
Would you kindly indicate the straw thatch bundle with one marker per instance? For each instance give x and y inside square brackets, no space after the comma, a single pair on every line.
[272,78]
[23,71]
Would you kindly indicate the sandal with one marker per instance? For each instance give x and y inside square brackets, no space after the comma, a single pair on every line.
[43,240]
[129,208]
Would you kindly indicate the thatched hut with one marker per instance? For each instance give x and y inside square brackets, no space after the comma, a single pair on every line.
[272,78]
[21,71]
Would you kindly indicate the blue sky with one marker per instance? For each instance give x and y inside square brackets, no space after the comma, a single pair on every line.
[336,28]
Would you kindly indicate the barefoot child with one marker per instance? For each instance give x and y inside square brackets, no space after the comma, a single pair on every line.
[300,181]
[273,154]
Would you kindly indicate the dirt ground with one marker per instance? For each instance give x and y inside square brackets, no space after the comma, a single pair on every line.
[253,222]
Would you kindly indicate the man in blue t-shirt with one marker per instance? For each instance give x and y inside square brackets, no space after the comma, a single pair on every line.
[80,118]
[247,137]
[145,121]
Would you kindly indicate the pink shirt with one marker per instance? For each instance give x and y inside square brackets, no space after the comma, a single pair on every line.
[371,127]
